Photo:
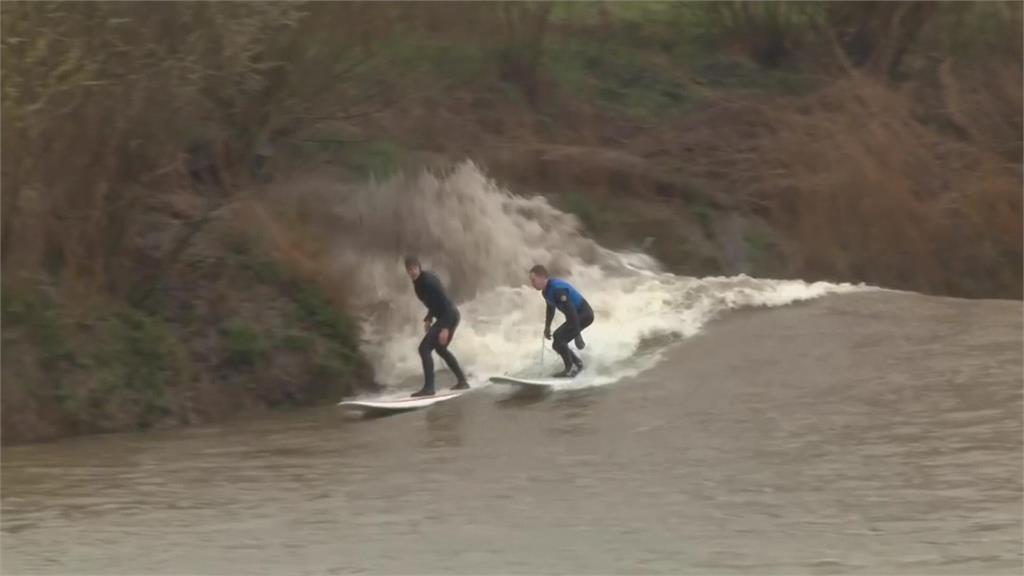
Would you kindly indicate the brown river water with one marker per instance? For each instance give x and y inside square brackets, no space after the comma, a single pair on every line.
[866,433]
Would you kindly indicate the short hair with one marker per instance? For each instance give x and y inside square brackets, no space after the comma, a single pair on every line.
[539,271]
[411,261]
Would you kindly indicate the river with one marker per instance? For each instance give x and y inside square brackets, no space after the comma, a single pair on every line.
[863,433]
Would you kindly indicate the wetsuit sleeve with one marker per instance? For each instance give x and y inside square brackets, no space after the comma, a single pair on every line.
[564,304]
[549,316]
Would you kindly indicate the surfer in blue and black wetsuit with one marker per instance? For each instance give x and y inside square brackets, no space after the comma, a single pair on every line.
[578,315]
[440,323]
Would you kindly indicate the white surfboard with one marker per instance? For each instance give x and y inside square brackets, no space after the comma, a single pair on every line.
[530,383]
[389,404]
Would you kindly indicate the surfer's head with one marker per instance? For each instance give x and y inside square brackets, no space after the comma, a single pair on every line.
[539,277]
[412,267]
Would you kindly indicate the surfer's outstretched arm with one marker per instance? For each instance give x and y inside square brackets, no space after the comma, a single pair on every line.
[549,316]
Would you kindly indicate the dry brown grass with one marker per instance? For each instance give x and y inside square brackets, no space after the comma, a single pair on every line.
[107,106]
[297,232]
[867,191]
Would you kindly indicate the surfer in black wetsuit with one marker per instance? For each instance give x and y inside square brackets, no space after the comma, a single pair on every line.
[440,323]
[578,315]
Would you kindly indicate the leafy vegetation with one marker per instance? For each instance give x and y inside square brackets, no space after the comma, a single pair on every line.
[145,278]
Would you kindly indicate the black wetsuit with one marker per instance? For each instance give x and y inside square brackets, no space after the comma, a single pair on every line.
[443,312]
[578,315]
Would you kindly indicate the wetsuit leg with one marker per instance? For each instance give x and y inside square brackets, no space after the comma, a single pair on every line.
[561,338]
[586,317]
[426,349]
[448,357]
[565,334]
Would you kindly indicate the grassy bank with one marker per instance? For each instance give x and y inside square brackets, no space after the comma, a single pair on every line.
[232,330]
[149,280]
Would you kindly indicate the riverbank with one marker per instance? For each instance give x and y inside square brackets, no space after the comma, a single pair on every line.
[166,261]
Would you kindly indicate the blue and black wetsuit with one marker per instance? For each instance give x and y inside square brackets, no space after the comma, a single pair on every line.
[578,315]
[444,314]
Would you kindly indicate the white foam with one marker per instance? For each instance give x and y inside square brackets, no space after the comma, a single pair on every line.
[501,329]
[482,240]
